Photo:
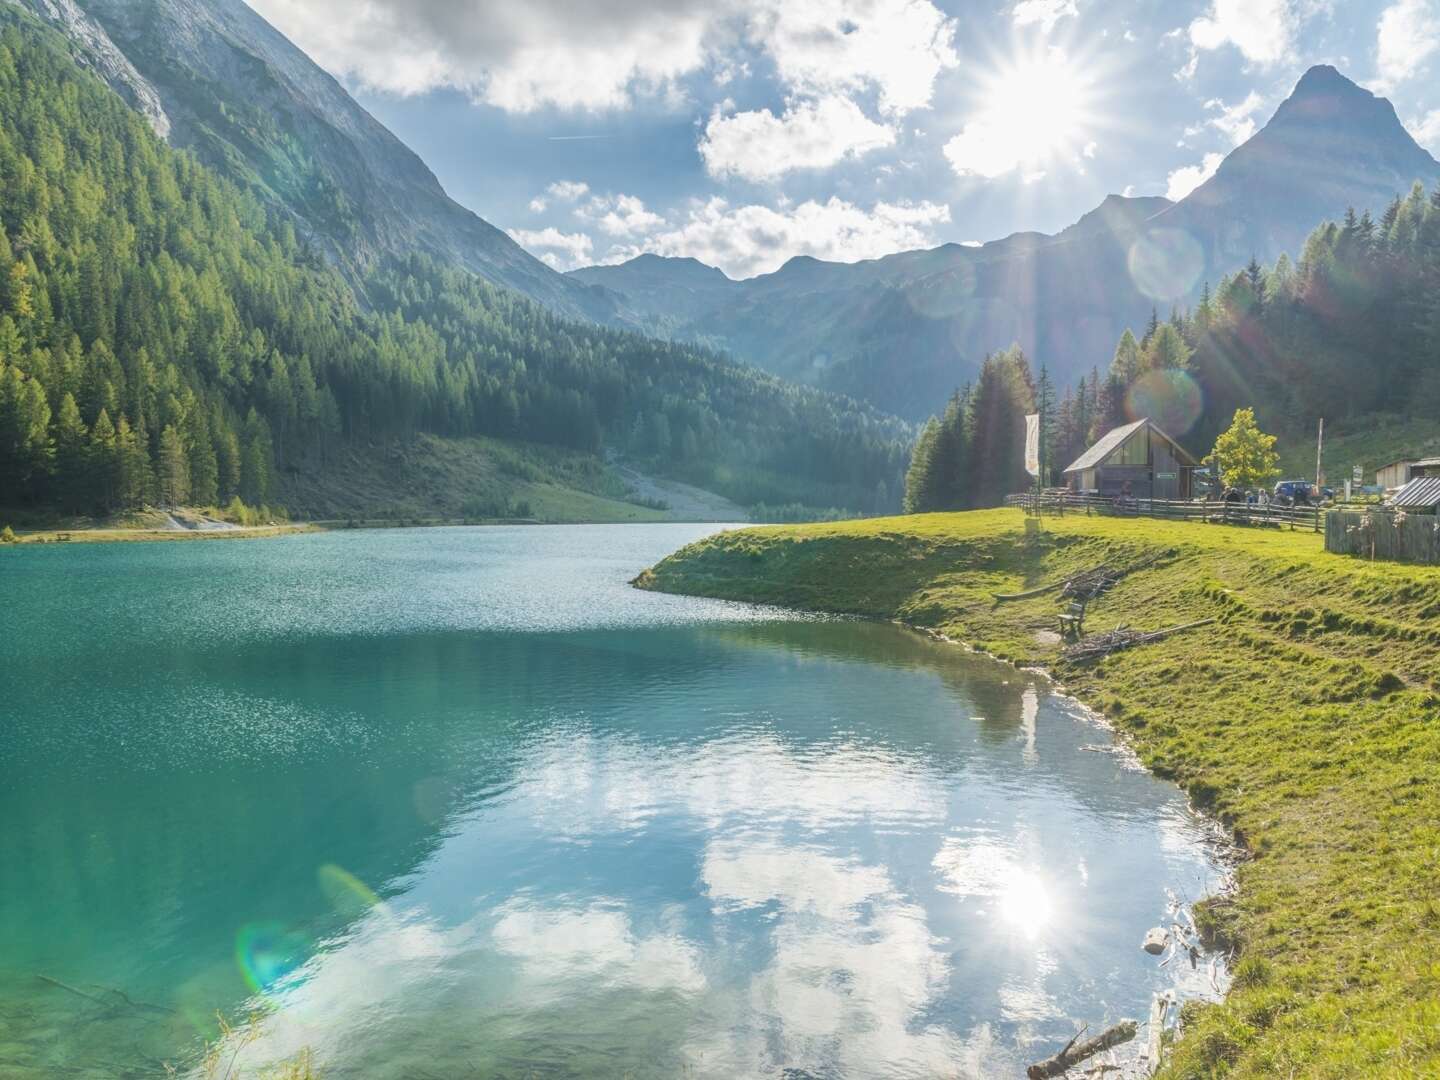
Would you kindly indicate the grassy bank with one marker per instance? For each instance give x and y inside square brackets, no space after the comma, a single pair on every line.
[1306,718]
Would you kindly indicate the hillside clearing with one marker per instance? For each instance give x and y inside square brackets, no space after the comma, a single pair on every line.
[1304,718]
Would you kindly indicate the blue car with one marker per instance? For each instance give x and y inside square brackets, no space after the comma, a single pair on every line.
[1294,493]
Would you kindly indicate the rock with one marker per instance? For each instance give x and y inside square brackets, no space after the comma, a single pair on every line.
[1156,940]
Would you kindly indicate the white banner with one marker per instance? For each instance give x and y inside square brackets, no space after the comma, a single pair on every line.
[1032,444]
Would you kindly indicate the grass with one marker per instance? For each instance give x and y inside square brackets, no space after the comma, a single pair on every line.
[1378,440]
[1307,719]
[435,479]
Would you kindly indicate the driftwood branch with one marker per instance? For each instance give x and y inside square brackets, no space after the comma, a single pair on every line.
[1098,645]
[1074,1053]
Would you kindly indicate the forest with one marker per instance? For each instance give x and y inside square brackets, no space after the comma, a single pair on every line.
[1349,332]
[166,338]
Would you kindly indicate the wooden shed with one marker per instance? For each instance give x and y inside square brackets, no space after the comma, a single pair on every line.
[1394,474]
[1137,459]
[1400,472]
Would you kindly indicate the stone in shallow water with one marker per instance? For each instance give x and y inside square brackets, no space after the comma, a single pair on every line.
[1156,939]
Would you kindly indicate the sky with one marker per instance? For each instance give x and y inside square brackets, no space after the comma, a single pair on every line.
[745,132]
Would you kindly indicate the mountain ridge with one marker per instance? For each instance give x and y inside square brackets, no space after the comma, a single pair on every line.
[903,330]
[214,77]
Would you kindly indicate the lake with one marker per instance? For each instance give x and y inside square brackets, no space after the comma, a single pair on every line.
[460,802]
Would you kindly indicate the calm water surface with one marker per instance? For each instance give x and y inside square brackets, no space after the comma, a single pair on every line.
[459,802]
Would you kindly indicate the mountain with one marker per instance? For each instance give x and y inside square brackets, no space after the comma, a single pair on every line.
[212,76]
[903,331]
[1330,145]
[165,337]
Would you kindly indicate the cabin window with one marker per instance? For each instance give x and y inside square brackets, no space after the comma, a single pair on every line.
[1135,451]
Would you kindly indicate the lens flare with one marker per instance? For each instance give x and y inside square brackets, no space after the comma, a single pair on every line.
[267,952]
[1171,398]
[1166,264]
[348,895]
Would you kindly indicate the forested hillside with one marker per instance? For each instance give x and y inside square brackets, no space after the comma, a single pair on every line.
[164,337]
[1349,332]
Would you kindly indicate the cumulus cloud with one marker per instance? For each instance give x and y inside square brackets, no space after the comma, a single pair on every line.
[619,215]
[759,145]
[1044,13]
[1185,180]
[984,148]
[754,239]
[1426,130]
[1407,35]
[568,190]
[1236,122]
[523,55]
[1263,30]
[898,47]
[560,250]
[519,55]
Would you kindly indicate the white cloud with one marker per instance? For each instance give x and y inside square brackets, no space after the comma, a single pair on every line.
[560,250]
[1185,180]
[1043,13]
[1426,130]
[984,148]
[753,239]
[524,55]
[1186,72]
[519,55]
[808,135]
[569,190]
[1263,30]
[1407,35]
[538,205]
[619,215]
[897,47]
[1235,122]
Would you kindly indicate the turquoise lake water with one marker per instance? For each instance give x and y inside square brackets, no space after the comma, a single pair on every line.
[459,802]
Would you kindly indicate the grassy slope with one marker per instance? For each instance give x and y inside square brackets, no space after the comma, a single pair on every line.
[1307,719]
[1380,441]
[453,478]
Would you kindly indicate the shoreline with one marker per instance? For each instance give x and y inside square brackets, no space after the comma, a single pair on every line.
[1283,722]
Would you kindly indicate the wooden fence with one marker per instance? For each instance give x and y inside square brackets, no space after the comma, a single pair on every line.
[1272,514]
[1384,534]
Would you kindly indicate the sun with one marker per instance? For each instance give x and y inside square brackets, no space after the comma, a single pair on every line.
[1033,109]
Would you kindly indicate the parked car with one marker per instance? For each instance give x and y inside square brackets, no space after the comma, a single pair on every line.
[1294,493]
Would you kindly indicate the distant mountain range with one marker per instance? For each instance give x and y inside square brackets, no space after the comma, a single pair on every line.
[214,77]
[903,331]
[898,332]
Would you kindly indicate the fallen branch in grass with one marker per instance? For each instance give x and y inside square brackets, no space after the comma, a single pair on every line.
[1072,1054]
[1122,637]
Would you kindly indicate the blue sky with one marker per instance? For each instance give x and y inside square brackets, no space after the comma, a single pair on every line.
[744,132]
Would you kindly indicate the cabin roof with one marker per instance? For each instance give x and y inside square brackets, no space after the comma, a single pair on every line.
[1422,491]
[1112,440]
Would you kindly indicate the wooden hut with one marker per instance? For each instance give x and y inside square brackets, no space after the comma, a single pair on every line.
[1400,472]
[1137,459]
[1394,474]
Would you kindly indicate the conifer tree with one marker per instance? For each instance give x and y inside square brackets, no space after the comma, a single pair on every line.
[172,469]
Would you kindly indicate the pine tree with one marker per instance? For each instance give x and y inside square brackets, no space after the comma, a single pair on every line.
[1125,366]
[1045,408]
[72,458]
[922,494]
[104,462]
[172,469]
